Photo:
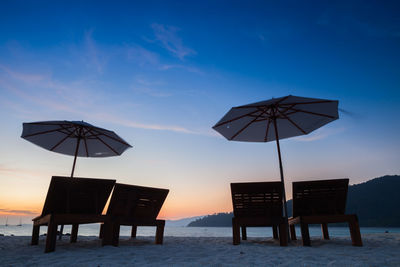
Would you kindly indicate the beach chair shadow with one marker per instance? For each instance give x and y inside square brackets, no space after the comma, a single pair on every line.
[71,201]
[322,202]
[132,205]
[257,205]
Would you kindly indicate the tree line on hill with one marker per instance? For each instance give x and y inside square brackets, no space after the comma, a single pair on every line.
[375,202]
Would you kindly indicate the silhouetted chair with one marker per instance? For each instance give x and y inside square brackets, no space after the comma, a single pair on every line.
[71,201]
[134,206]
[322,202]
[257,205]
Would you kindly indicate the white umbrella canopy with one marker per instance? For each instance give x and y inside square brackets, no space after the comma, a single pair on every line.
[275,119]
[293,115]
[75,138]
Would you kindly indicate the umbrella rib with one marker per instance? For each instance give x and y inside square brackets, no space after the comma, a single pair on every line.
[46,123]
[311,102]
[234,119]
[287,108]
[111,137]
[247,125]
[266,132]
[259,106]
[283,99]
[86,147]
[290,120]
[313,113]
[107,145]
[60,142]
[284,104]
[48,131]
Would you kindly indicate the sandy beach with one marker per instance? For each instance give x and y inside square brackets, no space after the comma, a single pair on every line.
[378,250]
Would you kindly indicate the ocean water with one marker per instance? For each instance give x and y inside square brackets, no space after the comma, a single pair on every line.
[93,230]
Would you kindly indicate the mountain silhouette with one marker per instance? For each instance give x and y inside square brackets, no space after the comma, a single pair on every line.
[375,202]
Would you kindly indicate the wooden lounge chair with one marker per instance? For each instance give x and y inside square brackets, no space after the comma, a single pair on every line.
[134,206]
[322,202]
[71,201]
[256,205]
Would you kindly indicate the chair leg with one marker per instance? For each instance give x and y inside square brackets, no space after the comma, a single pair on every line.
[74,233]
[115,234]
[61,231]
[134,231]
[235,232]
[51,237]
[159,234]
[292,232]
[101,232]
[111,234]
[325,232]
[244,233]
[106,234]
[283,238]
[305,234]
[35,235]
[275,232]
[355,232]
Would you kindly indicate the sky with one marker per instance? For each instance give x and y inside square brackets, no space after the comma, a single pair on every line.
[162,73]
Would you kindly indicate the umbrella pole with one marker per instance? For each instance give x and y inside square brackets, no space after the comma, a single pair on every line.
[76,154]
[72,175]
[282,179]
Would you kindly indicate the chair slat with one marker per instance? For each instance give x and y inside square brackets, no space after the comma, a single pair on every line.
[319,197]
[257,199]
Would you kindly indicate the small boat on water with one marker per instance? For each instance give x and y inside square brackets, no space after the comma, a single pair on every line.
[20,222]
[6,222]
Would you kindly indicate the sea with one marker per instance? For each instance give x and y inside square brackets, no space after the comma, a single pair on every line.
[183,231]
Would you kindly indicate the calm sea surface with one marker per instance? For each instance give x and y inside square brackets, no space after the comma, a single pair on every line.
[93,230]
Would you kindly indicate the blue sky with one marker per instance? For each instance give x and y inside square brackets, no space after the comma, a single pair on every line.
[162,73]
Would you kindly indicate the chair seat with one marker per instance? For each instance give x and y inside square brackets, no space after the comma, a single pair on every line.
[66,219]
[318,219]
[259,221]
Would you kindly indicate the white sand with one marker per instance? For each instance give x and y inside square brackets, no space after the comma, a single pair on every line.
[378,250]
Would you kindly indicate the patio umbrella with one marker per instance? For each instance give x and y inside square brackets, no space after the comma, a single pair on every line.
[75,138]
[275,119]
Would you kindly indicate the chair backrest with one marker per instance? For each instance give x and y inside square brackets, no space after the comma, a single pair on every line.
[68,195]
[263,199]
[138,202]
[323,197]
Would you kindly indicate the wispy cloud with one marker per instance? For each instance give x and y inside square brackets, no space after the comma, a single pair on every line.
[169,39]
[141,55]
[18,212]
[57,98]
[319,134]
[107,117]
[150,87]
[143,81]
[26,77]
[95,59]
[45,92]
[3,168]
[26,172]
[179,66]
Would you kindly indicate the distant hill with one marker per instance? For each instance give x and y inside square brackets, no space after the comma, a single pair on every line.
[182,222]
[214,220]
[375,202]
